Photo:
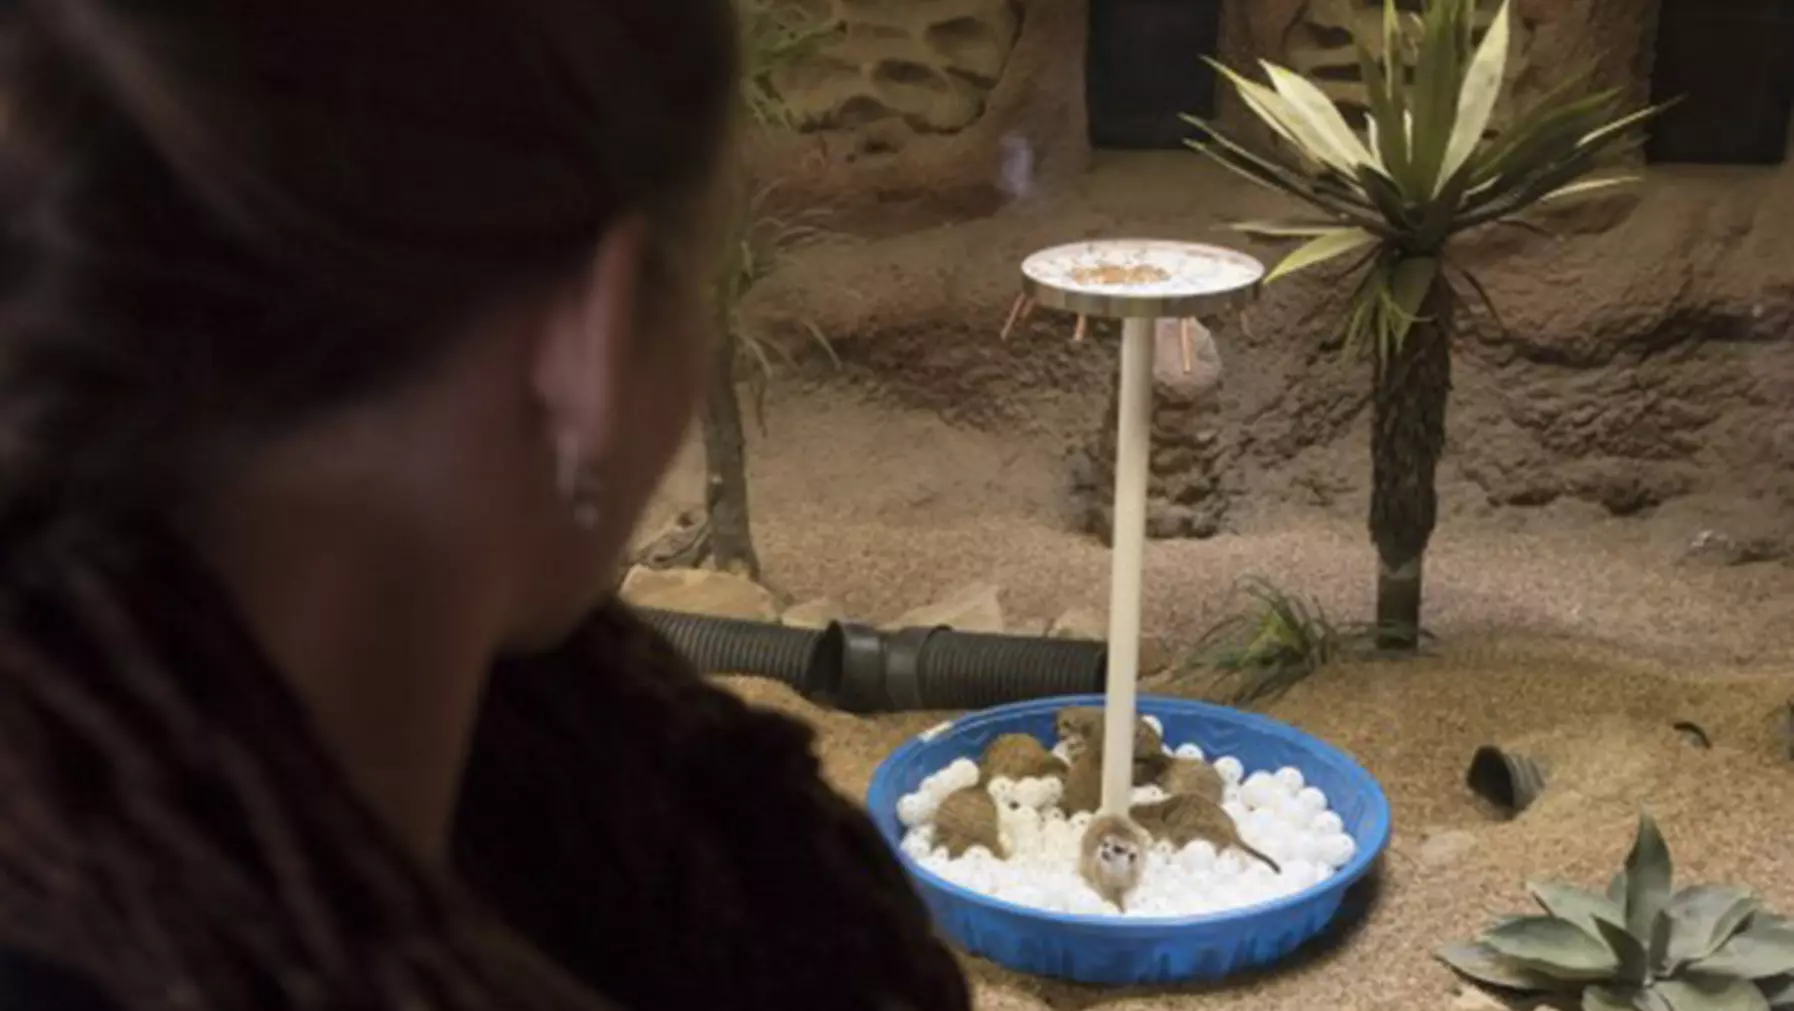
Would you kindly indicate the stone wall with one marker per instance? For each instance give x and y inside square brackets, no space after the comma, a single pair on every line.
[927,64]
[1643,356]
[919,99]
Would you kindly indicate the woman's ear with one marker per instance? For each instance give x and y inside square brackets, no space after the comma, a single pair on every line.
[582,359]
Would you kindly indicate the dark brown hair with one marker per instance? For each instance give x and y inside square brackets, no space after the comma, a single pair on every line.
[222,216]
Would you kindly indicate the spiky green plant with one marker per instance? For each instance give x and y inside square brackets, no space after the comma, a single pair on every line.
[1641,946]
[1426,171]
[1268,646]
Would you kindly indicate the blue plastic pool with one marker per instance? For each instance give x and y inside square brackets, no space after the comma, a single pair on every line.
[1124,951]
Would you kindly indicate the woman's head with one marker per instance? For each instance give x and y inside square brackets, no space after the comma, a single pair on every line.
[230,225]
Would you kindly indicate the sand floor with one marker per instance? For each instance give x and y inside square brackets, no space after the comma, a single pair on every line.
[1564,633]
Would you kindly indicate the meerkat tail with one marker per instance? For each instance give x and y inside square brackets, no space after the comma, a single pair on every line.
[1256,852]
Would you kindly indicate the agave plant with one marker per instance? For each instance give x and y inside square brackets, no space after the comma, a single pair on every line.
[1425,171]
[1641,946]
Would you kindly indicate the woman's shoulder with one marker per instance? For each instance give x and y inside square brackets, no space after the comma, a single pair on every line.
[675,846]
[29,983]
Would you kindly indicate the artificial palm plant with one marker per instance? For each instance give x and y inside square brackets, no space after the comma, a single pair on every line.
[1425,170]
[774,35]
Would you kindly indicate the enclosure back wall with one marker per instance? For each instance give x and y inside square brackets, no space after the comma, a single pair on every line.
[916,96]
[1645,356]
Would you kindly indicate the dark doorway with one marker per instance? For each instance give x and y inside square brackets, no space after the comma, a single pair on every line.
[1729,62]
[1144,68]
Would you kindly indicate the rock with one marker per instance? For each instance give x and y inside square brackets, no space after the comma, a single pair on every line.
[818,613]
[1447,847]
[971,608]
[929,65]
[1080,623]
[683,542]
[1185,496]
[699,591]
[1717,548]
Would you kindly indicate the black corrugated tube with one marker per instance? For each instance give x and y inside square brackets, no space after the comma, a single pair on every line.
[809,660]
[862,669]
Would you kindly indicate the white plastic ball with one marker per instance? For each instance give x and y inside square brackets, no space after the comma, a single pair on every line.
[1292,813]
[1261,789]
[1039,792]
[1312,799]
[1300,874]
[1291,778]
[1055,814]
[1230,864]
[1304,847]
[915,846]
[1148,794]
[964,773]
[914,809]
[1022,817]
[1326,823]
[1230,769]
[1198,857]
[1001,789]
[1085,902]
[1157,725]
[1080,821]
[1262,825]
[1337,850]
[1236,809]
[1189,751]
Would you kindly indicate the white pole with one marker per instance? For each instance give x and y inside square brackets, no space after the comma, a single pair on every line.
[1127,556]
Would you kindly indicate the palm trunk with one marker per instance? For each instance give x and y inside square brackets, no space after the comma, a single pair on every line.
[1407,437]
[725,466]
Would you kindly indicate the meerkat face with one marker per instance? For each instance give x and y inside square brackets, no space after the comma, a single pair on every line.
[1119,858]
[1075,728]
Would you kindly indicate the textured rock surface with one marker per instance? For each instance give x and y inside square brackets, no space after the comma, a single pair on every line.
[975,607]
[1185,494]
[699,591]
[817,613]
[917,102]
[1645,355]
[927,63]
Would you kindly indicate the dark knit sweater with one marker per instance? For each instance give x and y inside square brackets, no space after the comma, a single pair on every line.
[172,837]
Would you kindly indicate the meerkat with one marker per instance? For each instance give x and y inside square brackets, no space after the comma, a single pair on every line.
[1194,777]
[1081,728]
[967,818]
[1083,784]
[1084,778]
[1112,856]
[1183,818]
[1019,756]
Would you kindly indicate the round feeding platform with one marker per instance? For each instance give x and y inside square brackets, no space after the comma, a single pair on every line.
[1236,931]
[1139,278]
